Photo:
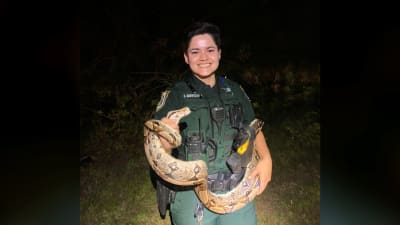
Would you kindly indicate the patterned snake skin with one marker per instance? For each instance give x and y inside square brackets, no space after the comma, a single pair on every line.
[195,173]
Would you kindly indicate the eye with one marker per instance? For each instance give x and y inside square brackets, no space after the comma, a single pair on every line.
[211,50]
[194,52]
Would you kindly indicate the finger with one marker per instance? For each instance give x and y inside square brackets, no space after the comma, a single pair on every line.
[253,174]
[263,186]
[170,123]
[261,189]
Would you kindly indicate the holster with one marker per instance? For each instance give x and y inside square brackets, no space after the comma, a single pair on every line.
[236,162]
[165,196]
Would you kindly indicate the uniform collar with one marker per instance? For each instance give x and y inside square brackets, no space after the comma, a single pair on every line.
[202,87]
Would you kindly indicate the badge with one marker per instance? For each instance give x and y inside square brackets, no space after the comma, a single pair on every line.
[192,95]
[161,103]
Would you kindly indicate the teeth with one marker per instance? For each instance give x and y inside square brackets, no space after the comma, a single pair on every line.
[204,65]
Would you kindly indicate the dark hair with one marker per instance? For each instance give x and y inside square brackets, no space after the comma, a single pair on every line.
[202,28]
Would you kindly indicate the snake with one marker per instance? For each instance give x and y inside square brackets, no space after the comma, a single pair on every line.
[194,173]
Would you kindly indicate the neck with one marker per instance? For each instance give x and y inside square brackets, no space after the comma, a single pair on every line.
[209,80]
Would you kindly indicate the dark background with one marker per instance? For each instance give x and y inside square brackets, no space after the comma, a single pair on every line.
[277,31]
[360,154]
[40,92]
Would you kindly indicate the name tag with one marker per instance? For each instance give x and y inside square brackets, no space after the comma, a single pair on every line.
[192,95]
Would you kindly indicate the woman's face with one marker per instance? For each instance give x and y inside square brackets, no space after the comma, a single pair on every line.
[203,55]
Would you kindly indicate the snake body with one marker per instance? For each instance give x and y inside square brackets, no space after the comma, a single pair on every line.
[195,173]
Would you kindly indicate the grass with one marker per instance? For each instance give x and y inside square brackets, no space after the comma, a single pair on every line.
[116,188]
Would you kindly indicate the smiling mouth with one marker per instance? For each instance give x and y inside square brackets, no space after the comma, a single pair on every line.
[205,65]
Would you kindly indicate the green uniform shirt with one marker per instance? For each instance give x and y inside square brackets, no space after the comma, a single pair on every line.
[201,99]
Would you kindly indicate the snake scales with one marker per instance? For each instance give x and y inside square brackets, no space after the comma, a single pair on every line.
[188,173]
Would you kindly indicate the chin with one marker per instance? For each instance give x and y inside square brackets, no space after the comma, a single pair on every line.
[206,73]
[202,75]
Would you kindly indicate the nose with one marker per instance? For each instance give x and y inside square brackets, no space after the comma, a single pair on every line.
[203,55]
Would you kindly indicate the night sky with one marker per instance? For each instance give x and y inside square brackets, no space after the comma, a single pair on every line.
[276,31]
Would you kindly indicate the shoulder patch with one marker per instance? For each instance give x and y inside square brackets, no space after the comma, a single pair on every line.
[161,103]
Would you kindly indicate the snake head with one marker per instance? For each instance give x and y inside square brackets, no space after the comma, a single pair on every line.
[178,114]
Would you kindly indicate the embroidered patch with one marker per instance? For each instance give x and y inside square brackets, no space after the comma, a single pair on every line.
[161,103]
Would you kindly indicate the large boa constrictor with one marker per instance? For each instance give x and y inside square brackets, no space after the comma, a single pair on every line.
[195,173]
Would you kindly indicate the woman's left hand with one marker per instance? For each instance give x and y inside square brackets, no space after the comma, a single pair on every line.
[264,171]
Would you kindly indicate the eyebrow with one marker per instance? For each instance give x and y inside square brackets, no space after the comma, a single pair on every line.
[206,48]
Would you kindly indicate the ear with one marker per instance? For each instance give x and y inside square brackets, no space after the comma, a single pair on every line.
[186,58]
[219,53]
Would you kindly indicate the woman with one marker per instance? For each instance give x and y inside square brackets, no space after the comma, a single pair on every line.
[219,107]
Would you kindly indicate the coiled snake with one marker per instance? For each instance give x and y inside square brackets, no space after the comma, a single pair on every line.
[195,173]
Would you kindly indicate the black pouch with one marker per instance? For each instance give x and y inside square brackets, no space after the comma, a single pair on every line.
[164,198]
[234,163]
[235,115]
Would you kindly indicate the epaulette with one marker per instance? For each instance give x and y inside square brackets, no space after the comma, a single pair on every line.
[236,86]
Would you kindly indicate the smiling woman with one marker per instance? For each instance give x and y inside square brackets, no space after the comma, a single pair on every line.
[203,57]
[220,109]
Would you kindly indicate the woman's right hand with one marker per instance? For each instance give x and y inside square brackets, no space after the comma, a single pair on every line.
[171,123]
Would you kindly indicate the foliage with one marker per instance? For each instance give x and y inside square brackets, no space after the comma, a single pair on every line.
[116,189]
[122,105]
